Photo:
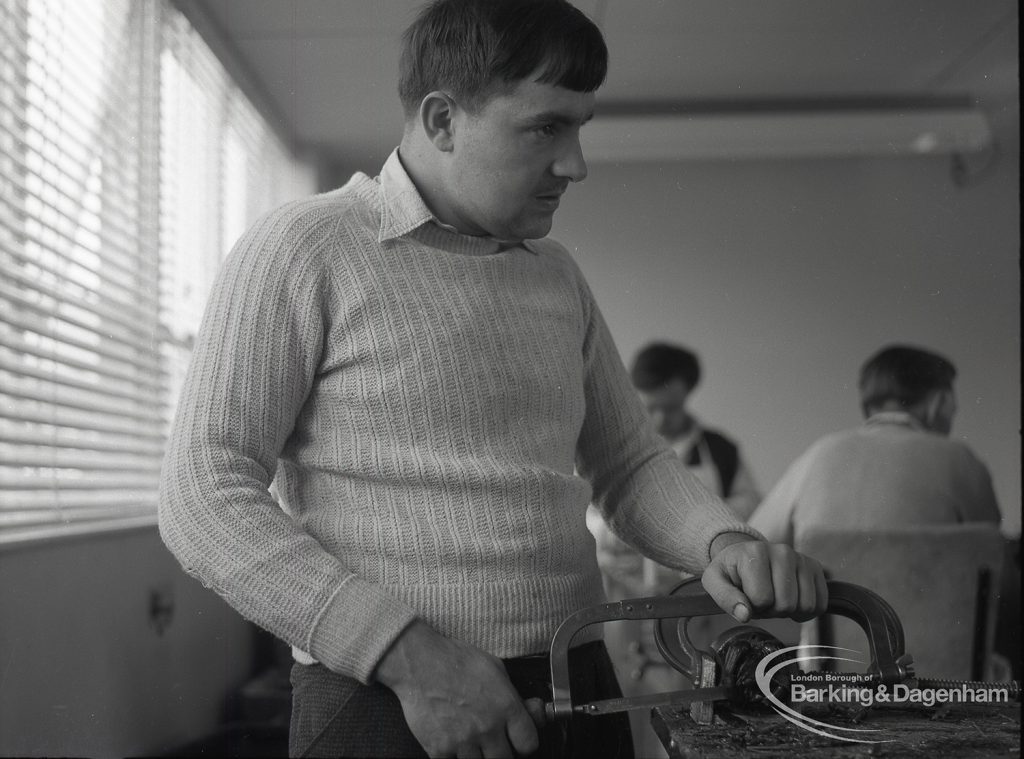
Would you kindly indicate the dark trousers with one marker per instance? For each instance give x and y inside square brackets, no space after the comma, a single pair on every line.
[336,716]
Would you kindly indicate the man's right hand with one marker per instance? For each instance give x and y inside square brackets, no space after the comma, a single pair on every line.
[457,700]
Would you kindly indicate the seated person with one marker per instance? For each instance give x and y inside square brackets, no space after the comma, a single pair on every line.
[898,468]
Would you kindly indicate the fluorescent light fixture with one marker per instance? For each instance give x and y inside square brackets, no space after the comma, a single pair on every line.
[796,134]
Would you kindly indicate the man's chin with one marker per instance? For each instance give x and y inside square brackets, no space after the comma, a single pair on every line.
[523,227]
[535,229]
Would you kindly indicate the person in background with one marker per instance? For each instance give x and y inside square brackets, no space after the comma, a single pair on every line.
[429,383]
[665,377]
[898,468]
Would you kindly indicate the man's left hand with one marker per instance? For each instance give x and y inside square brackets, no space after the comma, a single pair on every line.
[749,577]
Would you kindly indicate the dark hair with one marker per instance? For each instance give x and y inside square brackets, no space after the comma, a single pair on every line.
[474,48]
[659,363]
[903,374]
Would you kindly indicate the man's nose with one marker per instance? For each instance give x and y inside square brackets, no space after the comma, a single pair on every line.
[571,163]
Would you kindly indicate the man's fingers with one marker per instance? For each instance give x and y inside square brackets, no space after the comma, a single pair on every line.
[496,746]
[813,590]
[808,594]
[821,586]
[785,581]
[535,708]
[522,727]
[721,587]
[753,577]
[459,700]
[755,569]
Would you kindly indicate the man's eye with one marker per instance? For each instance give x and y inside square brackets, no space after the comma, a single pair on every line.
[547,130]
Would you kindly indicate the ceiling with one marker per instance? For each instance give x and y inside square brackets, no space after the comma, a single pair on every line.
[325,71]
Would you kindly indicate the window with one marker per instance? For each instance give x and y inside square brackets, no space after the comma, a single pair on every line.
[130,162]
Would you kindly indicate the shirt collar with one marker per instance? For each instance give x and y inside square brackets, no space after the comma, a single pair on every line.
[683,443]
[403,212]
[900,418]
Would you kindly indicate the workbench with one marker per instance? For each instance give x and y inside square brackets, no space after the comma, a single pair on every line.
[965,731]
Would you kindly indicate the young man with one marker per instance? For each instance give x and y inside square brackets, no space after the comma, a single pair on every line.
[665,377]
[899,468]
[422,375]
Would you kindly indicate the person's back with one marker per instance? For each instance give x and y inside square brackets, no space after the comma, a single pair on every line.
[899,468]
[889,473]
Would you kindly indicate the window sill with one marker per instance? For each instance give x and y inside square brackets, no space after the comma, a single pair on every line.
[13,539]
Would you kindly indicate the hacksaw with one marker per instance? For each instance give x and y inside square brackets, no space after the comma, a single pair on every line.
[723,673]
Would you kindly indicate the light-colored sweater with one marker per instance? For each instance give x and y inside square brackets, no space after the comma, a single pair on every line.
[889,472]
[438,409]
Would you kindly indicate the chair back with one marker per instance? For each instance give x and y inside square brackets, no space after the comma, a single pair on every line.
[942,580]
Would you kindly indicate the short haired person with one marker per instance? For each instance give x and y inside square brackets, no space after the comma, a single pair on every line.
[439,397]
[665,376]
[898,468]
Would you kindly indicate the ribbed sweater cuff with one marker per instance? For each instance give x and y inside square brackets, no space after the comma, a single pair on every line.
[356,628]
[741,528]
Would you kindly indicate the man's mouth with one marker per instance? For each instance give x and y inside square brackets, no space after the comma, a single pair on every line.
[550,198]
[553,193]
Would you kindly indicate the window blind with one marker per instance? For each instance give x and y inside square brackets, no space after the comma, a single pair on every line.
[130,162]
[82,390]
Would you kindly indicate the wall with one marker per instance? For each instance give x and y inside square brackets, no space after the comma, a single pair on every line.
[785,276]
[84,671]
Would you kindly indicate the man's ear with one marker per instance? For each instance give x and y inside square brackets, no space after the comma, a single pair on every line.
[932,404]
[940,406]
[437,117]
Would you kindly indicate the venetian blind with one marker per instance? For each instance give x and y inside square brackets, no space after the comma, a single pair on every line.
[129,164]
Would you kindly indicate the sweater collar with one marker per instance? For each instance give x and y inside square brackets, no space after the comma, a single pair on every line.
[404,212]
[683,443]
[897,418]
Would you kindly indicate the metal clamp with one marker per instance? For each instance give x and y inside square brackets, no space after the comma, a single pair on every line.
[889,661]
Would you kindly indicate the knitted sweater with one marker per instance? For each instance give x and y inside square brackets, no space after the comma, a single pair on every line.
[889,472]
[438,410]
